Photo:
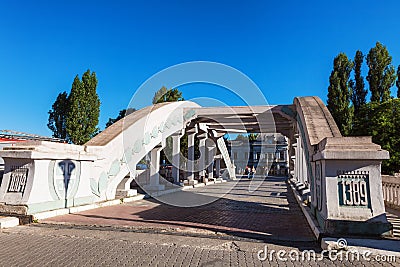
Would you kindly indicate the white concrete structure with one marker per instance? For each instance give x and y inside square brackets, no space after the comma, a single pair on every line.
[339,175]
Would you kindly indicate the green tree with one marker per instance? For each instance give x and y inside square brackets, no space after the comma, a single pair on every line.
[359,93]
[382,122]
[165,95]
[122,113]
[58,116]
[84,109]
[241,137]
[381,74]
[339,93]
[398,82]
[252,137]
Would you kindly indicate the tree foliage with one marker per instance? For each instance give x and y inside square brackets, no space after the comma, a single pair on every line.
[339,93]
[381,74]
[246,138]
[84,109]
[122,113]
[358,91]
[58,116]
[382,122]
[165,95]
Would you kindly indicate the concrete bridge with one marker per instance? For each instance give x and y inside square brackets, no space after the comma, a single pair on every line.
[338,176]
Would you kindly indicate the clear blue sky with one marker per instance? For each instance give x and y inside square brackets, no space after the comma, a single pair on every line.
[285,47]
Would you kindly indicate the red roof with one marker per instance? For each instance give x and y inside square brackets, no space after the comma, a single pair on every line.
[10,140]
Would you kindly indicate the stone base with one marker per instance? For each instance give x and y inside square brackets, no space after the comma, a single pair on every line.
[378,226]
[13,209]
[159,187]
[126,192]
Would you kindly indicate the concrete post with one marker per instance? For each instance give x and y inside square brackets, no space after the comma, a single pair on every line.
[217,167]
[190,165]
[348,179]
[211,147]
[203,156]
[176,148]
[154,183]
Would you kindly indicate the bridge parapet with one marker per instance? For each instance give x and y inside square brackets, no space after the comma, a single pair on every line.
[348,186]
[342,175]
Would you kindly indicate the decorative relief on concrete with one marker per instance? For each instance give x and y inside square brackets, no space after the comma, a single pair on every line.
[190,113]
[115,167]
[353,188]
[18,178]
[66,176]
[171,121]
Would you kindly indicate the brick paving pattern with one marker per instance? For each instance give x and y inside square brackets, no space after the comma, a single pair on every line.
[234,228]
[270,212]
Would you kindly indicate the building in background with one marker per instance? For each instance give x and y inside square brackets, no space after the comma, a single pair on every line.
[268,154]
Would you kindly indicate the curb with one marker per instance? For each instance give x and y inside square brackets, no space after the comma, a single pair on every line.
[53,213]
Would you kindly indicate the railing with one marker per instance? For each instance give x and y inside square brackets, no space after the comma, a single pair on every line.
[391,191]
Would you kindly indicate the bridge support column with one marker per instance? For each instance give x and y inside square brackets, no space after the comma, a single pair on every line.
[176,149]
[203,157]
[217,167]
[190,164]
[211,147]
[154,183]
[348,185]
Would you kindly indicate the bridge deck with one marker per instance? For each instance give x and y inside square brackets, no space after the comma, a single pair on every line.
[270,213]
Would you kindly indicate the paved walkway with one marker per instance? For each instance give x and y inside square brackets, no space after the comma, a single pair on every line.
[267,214]
[228,232]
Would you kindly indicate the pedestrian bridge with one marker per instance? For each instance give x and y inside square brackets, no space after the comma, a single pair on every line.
[338,176]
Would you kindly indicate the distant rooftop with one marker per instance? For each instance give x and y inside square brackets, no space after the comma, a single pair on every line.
[14,136]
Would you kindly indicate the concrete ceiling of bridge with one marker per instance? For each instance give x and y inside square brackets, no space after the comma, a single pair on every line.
[247,119]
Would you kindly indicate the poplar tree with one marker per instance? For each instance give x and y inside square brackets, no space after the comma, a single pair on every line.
[84,109]
[381,74]
[339,93]
[358,91]
[58,116]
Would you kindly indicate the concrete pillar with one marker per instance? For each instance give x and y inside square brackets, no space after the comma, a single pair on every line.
[217,167]
[154,182]
[350,199]
[210,158]
[190,164]
[203,157]
[176,148]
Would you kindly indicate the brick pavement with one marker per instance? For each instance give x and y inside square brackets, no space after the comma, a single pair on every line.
[269,213]
[58,245]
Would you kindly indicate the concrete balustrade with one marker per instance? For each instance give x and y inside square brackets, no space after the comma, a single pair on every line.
[391,191]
